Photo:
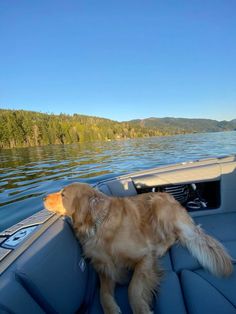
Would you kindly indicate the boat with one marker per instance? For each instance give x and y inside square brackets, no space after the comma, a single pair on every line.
[43,270]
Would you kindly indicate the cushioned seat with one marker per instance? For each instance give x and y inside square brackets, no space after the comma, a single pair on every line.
[204,293]
[186,287]
[220,226]
[41,274]
[52,277]
[121,293]
[164,302]
[161,303]
[14,299]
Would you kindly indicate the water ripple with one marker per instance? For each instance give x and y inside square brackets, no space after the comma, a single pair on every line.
[27,174]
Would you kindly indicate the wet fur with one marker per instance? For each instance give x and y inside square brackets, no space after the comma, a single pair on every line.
[119,234]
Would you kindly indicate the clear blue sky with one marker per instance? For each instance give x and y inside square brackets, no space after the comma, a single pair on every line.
[120,59]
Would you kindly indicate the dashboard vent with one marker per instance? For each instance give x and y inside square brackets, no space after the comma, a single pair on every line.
[180,192]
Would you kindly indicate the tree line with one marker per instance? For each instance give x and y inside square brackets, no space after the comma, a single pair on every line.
[20,128]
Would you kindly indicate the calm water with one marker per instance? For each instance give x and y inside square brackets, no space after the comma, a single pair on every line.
[27,174]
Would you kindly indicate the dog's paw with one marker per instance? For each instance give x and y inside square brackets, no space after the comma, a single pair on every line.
[114,310]
[118,310]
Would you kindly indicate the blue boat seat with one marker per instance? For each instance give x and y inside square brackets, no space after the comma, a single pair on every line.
[186,287]
[14,299]
[52,277]
[220,226]
[204,293]
[161,302]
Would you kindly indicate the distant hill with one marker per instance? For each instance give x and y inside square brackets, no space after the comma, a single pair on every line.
[20,128]
[181,125]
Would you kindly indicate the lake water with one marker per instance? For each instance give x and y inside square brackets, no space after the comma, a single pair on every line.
[27,174]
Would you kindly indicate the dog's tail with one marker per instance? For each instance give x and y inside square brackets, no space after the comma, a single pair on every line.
[208,251]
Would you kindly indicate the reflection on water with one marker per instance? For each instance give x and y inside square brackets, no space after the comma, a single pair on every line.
[27,174]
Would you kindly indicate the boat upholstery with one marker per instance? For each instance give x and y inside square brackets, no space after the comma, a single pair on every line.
[220,226]
[203,292]
[52,277]
[186,287]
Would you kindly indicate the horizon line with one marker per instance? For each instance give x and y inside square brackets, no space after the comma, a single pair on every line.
[102,117]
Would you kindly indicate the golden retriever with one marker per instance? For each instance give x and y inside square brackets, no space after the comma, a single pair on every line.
[131,233]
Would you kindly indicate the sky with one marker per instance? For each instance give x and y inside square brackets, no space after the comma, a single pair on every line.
[122,60]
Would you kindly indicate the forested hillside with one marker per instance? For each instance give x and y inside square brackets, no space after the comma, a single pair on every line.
[19,128]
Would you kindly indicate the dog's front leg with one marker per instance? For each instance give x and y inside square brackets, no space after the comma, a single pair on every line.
[107,287]
[144,282]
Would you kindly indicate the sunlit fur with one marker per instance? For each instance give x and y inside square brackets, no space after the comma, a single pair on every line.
[131,233]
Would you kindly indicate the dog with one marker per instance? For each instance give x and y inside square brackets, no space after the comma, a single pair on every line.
[131,233]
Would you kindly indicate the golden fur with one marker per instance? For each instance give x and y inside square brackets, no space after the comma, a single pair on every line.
[119,234]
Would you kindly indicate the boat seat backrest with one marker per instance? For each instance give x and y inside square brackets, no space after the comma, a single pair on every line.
[51,276]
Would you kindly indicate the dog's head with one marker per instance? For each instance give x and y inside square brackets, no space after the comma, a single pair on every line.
[79,201]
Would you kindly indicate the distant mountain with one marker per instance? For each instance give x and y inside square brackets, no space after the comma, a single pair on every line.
[181,125]
[233,121]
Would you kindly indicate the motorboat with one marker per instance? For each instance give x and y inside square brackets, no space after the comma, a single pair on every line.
[43,270]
